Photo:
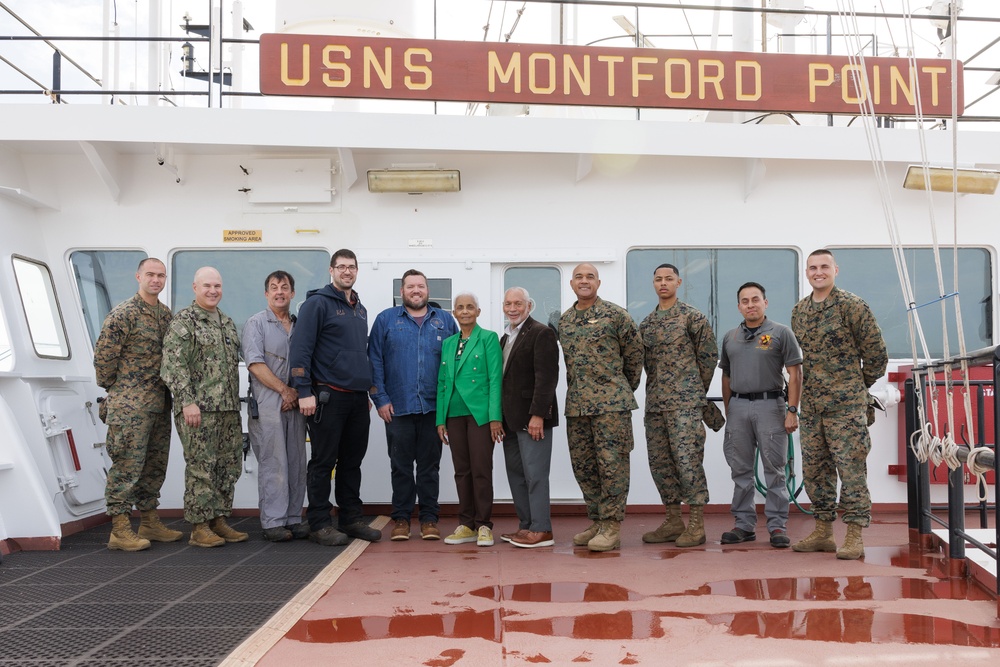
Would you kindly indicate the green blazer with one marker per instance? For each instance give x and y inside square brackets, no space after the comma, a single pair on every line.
[476,376]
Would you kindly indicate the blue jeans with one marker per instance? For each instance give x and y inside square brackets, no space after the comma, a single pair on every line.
[339,440]
[413,439]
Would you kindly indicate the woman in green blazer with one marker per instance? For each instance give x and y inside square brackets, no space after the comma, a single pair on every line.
[469,419]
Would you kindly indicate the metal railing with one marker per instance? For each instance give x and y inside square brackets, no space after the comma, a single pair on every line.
[921,514]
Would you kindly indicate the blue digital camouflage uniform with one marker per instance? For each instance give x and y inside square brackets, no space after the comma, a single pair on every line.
[603,356]
[680,359]
[843,355]
[127,359]
[201,366]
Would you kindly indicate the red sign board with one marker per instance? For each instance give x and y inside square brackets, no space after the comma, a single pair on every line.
[413,69]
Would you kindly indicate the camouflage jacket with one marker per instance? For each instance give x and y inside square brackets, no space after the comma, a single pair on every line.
[843,352]
[603,359]
[201,360]
[680,357]
[127,359]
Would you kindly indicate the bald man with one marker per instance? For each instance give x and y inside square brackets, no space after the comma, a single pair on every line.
[603,355]
[201,367]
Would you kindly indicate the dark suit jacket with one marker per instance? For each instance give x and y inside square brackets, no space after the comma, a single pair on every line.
[531,376]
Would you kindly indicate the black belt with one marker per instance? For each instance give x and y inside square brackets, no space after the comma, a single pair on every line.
[759,396]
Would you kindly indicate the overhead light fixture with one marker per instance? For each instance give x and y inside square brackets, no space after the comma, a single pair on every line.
[414,181]
[970,181]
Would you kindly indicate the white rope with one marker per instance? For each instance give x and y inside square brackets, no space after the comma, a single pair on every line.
[979,469]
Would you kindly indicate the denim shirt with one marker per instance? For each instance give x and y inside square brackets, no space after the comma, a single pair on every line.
[405,358]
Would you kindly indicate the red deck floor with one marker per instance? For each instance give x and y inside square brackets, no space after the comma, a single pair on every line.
[428,603]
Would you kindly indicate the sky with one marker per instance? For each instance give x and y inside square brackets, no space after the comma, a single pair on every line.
[457,19]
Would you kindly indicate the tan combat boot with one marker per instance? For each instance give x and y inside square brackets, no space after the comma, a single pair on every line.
[853,547]
[608,538]
[223,530]
[122,537]
[153,529]
[202,536]
[695,533]
[821,539]
[669,530]
[584,538]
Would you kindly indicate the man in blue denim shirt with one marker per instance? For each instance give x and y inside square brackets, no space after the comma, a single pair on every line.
[405,352]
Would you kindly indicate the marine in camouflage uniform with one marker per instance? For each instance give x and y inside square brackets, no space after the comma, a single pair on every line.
[843,355]
[127,359]
[680,356]
[201,367]
[603,356]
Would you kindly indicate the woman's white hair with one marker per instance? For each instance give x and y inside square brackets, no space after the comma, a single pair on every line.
[472,296]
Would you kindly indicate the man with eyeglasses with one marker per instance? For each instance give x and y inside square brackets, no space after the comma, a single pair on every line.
[758,418]
[331,373]
[680,358]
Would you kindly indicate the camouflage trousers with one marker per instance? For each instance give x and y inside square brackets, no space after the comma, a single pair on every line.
[837,444]
[213,453]
[138,448]
[599,448]
[675,443]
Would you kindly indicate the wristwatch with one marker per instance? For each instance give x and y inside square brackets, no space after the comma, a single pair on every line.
[793,409]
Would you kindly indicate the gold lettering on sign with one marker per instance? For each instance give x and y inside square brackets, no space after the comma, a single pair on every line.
[344,80]
[611,61]
[741,93]
[413,68]
[716,80]
[371,63]
[668,66]
[495,70]
[582,81]
[286,78]
[637,76]
[815,81]
[532,77]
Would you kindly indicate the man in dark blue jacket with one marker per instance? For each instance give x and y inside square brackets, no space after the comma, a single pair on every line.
[331,372]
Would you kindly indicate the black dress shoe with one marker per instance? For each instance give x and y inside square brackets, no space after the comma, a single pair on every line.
[361,531]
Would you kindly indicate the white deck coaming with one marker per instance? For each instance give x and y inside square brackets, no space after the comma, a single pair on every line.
[58,129]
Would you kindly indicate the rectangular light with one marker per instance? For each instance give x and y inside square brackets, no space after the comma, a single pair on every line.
[970,181]
[414,181]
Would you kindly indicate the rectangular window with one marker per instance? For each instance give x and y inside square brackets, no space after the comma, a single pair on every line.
[710,278]
[41,308]
[438,292]
[243,273]
[871,274]
[544,286]
[105,278]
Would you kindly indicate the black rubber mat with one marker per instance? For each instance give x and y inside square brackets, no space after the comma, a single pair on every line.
[172,604]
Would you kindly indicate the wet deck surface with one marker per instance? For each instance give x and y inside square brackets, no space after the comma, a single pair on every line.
[427,603]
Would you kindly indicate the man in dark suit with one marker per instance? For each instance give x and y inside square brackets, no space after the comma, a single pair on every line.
[530,375]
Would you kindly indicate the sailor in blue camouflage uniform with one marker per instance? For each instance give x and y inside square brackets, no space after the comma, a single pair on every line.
[680,355]
[843,355]
[127,359]
[603,356]
[201,356]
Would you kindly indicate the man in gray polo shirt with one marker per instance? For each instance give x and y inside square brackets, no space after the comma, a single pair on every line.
[757,416]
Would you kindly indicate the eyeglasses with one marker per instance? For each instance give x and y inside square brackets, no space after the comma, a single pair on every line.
[345,267]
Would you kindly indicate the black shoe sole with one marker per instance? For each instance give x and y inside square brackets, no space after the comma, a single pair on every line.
[752,537]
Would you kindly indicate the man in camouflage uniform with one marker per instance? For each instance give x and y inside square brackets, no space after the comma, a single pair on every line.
[680,359]
[137,410]
[201,366]
[843,355]
[603,366]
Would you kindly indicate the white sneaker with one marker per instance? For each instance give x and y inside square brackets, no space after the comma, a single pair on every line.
[485,537]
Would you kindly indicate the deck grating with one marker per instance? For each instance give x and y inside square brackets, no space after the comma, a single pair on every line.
[172,605]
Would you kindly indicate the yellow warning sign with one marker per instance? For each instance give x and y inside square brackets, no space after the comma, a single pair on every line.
[242,236]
